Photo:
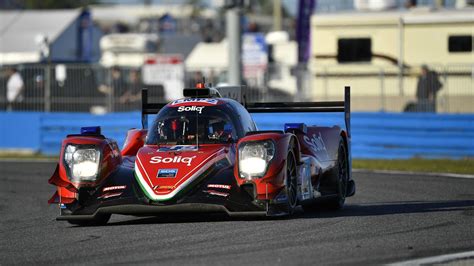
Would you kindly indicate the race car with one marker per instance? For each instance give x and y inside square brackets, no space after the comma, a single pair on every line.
[204,154]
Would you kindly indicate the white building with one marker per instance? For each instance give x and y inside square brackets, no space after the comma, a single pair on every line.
[70,33]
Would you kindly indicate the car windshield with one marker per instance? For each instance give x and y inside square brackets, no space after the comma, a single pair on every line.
[186,126]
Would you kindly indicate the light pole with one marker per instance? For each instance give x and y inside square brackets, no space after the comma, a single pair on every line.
[234,39]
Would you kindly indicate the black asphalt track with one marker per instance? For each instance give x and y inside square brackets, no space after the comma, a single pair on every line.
[391,218]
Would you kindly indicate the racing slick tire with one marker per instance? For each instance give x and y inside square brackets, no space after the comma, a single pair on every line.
[342,178]
[291,181]
[100,220]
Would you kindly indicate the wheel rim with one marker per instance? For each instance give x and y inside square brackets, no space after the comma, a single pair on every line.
[291,180]
[342,173]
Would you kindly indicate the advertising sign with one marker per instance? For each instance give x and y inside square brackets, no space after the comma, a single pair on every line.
[166,70]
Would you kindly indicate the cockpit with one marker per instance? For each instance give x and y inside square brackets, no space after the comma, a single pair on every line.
[191,125]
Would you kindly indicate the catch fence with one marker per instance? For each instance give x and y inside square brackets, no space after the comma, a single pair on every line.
[97,89]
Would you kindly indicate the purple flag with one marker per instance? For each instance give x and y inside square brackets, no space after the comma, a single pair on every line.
[305,9]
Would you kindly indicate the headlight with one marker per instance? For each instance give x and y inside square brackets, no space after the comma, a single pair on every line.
[82,162]
[254,157]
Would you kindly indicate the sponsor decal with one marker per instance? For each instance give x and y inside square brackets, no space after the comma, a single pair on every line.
[167,172]
[179,148]
[105,189]
[195,100]
[316,142]
[163,187]
[175,159]
[110,195]
[218,186]
[191,109]
[216,193]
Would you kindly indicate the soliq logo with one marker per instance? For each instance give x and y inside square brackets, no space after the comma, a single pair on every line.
[191,109]
[175,159]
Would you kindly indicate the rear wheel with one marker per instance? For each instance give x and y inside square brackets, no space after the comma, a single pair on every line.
[291,181]
[101,219]
[342,176]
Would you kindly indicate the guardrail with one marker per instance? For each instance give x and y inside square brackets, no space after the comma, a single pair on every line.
[374,135]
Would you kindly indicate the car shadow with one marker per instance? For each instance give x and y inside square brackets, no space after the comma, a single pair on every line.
[350,210]
[391,208]
[185,218]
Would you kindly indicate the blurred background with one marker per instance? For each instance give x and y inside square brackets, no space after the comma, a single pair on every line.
[94,56]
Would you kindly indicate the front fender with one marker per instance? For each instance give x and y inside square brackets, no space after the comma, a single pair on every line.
[268,186]
[110,161]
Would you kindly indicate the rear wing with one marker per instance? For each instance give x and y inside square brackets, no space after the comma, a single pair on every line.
[308,107]
[272,107]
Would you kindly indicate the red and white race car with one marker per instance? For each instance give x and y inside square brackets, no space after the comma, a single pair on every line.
[203,153]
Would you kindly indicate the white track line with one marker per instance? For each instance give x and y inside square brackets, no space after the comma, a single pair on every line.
[436,259]
[413,173]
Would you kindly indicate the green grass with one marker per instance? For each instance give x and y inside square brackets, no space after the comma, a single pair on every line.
[25,156]
[464,166]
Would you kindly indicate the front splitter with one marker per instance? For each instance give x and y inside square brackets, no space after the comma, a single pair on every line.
[151,210]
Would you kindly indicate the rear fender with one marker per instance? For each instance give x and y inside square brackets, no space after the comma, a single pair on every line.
[268,186]
[321,142]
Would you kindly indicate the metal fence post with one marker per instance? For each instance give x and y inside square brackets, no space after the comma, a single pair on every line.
[47,88]
[446,85]
[111,92]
